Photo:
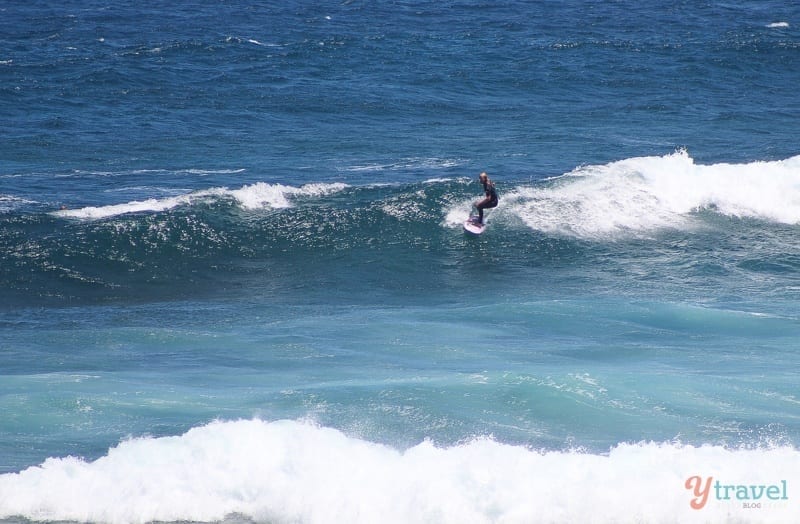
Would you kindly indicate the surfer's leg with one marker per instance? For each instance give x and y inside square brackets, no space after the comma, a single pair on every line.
[479,207]
[486,203]
[483,204]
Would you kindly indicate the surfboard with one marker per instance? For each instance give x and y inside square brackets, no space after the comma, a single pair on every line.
[474,227]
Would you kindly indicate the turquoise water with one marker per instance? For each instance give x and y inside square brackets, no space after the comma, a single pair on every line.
[235,285]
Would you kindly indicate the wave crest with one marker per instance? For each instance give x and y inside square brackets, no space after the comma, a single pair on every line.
[645,194]
[290,471]
[254,196]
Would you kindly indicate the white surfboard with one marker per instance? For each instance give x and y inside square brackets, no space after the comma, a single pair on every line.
[474,227]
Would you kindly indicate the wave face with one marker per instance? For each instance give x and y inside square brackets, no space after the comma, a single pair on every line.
[625,197]
[288,471]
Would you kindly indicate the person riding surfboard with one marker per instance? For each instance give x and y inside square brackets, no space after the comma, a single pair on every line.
[490,200]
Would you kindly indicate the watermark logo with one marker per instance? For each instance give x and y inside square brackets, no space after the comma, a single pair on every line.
[749,495]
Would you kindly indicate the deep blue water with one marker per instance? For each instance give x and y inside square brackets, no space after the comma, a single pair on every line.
[234,283]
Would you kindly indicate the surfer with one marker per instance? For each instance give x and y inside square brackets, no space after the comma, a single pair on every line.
[490,200]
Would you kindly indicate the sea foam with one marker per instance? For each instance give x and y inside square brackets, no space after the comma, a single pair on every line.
[290,471]
[11,203]
[277,196]
[254,196]
[645,194]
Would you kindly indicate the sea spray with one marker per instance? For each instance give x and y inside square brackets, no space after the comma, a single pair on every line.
[640,196]
[253,196]
[290,471]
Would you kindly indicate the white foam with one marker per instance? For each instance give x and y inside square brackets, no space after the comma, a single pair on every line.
[255,196]
[11,203]
[136,206]
[458,214]
[776,25]
[277,196]
[289,471]
[438,180]
[645,194]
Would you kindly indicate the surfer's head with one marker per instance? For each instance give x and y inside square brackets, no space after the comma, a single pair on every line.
[483,177]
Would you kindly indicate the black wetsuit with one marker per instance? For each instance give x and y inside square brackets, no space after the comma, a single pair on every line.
[490,201]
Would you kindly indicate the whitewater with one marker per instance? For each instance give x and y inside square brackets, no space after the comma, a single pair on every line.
[286,471]
[255,196]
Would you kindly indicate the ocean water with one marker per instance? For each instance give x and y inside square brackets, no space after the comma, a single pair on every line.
[234,285]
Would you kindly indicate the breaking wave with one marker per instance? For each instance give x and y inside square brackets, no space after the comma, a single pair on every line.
[649,193]
[289,471]
[255,196]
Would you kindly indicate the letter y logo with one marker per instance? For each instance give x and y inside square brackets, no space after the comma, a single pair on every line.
[700,492]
